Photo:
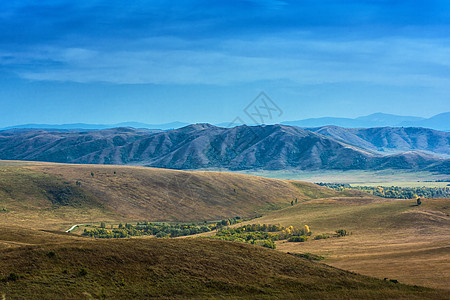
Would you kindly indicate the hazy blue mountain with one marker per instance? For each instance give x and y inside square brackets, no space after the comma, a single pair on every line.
[438,122]
[271,147]
[84,126]
[388,119]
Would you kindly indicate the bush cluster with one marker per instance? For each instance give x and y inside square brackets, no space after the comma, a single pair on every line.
[263,234]
[302,238]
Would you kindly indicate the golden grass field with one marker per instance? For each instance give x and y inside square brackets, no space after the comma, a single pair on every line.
[50,265]
[123,193]
[392,239]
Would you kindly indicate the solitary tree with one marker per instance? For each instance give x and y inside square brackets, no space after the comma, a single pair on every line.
[419,201]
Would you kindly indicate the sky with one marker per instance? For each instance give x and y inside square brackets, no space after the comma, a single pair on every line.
[206,61]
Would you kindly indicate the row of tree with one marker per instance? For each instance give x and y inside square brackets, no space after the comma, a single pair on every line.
[156,229]
[394,191]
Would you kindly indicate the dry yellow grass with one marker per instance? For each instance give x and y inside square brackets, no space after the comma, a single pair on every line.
[59,266]
[125,194]
[390,238]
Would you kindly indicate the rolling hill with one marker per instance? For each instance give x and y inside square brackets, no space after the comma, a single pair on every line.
[77,268]
[199,146]
[57,196]
[389,238]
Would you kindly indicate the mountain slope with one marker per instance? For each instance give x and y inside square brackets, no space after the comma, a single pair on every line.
[390,139]
[271,147]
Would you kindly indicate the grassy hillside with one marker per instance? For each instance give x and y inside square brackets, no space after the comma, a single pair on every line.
[179,268]
[35,199]
[45,195]
[390,238]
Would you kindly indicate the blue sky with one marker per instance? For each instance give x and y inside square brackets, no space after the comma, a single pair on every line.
[204,61]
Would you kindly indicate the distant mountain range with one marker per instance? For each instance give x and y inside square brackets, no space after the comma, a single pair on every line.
[437,122]
[84,126]
[270,147]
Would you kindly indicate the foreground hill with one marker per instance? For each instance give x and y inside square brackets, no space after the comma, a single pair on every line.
[390,139]
[272,147]
[179,268]
[58,195]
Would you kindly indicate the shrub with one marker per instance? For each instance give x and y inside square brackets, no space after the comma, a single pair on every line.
[12,277]
[296,239]
[269,244]
[161,234]
[322,236]
[341,232]
[308,256]
[83,272]
[393,280]
[265,243]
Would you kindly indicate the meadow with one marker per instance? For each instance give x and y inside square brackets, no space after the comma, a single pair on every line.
[400,245]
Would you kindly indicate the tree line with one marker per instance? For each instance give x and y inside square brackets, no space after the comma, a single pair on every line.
[395,192]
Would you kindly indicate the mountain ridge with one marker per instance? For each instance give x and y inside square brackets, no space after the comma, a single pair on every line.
[390,139]
[201,146]
[437,122]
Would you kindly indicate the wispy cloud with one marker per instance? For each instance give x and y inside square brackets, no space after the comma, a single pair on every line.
[392,61]
[323,52]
